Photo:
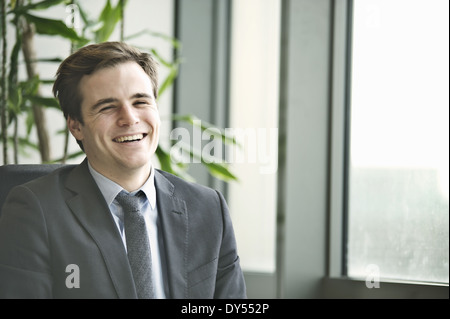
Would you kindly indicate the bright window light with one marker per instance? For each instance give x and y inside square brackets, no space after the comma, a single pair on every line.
[398,218]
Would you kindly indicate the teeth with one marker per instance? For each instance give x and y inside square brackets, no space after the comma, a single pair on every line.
[129,138]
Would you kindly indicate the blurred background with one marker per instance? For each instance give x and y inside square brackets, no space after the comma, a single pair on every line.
[323,122]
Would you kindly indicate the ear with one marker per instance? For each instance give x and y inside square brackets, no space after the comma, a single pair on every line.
[75,128]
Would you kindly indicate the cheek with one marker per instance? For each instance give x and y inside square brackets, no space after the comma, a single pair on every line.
[157,125]
[154,121]
[95,133]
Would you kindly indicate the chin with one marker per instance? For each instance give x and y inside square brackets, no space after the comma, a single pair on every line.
[135,163]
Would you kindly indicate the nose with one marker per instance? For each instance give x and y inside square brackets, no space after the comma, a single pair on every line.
[127,115]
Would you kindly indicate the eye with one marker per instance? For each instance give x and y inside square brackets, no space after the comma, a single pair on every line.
[142,103]
[106,108]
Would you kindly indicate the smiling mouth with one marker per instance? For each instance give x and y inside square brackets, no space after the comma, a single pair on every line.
[130,138]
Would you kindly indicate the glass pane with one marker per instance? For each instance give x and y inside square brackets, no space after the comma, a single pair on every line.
[399,158]
[254,72]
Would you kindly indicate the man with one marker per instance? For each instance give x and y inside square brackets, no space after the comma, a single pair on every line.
[65,235]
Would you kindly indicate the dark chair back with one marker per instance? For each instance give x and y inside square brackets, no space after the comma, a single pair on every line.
[13,175]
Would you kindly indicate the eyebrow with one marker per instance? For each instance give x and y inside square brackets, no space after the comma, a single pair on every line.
[112,99]
[103,101]
[142,95]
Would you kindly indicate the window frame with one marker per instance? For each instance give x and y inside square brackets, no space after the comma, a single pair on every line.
[314,93]
[337,284]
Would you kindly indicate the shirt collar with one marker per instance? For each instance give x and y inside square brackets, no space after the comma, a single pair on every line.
[110,189]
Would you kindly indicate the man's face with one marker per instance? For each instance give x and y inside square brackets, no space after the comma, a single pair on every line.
[121,119]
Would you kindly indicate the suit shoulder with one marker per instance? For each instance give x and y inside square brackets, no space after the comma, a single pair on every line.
[186,186]
[47,181]
[52,178]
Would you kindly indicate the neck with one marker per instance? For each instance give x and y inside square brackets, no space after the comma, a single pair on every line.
[130,179]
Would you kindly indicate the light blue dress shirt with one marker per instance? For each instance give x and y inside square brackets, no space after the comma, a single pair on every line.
[110,189]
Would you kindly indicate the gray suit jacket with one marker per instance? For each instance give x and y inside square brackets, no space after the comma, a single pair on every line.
[62,219]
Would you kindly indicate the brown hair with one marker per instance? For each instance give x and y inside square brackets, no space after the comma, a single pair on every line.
[92,58]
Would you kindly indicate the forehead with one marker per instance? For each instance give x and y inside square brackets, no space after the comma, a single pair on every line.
[119,81]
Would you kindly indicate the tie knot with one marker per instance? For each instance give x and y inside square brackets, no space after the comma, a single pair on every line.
[130,203]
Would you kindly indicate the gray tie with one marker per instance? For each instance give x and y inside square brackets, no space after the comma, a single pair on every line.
[138,245]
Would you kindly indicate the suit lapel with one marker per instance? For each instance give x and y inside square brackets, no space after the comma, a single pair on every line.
[93,213]
[174,222]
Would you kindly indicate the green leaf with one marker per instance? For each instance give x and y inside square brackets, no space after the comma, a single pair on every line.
[54,27]
[14,101]
[44,101]
[161,59]
[164,159]
[195,121]
[176,44]
[51,60]
[215,166]
[29,121]
[47,81]
[37,6]
[14,92]
[168,80]
[109,17]
[168,166]
[25,142]
[30,86]
[14,61]
[84,16]
[13,4]
[221,172]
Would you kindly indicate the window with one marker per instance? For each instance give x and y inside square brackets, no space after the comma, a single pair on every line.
[254,124]
[398,208]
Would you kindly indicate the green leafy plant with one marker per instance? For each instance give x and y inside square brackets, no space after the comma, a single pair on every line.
[22,99]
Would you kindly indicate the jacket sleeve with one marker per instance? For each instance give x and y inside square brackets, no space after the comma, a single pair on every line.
[230,282]
[24,249]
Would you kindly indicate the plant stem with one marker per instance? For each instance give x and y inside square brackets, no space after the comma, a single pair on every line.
[122,19]
[16,140]
[4,99]
[66,133]
[39,116]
